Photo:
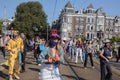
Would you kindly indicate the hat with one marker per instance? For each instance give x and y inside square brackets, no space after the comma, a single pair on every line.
[54,36]
[107,41]
[15,32]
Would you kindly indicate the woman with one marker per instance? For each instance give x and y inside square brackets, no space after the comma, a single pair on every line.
[105,56]
[89,49]
[79,45]
[50,59]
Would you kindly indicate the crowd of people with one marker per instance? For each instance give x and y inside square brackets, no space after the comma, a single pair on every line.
[49,54]
[103,50]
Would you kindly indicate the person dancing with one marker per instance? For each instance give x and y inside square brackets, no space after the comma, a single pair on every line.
[50,59]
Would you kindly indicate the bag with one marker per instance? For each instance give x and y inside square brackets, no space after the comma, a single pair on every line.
[41,47]
[7,62]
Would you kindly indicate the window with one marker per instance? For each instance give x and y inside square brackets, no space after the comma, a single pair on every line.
[88,20]
[91,27]
[116,30]
[81,19]
[81,27]
[64,19]
[92,35]
[64,26]
[77,20]
[70,27]
[100,20]
[88,27]
[107,22]
[87,35]
[69,19]
[76,27]
[92,19]
[111,22]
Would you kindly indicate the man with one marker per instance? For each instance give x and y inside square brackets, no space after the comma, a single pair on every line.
[20,48]
[23,53]
[13,59]
[105,56]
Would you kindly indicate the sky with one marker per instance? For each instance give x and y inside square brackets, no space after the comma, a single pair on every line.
[111,7]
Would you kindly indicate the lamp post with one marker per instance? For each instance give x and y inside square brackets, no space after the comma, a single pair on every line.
[35,30]
[47,33]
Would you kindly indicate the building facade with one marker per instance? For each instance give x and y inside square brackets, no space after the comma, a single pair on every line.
[90,23]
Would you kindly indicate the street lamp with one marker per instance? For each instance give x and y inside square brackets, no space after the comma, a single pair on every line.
[35,30]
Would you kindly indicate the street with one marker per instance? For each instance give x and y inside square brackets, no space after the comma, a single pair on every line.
[69,70]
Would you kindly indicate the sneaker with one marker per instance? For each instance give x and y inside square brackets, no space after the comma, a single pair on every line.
[75,62]
[85,68]
[39,64]
[16,76]
[93,67]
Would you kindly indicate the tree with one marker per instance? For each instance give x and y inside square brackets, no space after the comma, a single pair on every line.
[1,25]
[115,39]
[29,15]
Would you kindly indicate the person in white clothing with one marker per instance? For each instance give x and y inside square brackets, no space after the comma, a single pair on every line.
[79,47]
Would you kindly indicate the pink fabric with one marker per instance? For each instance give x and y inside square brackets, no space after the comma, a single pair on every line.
[55,35]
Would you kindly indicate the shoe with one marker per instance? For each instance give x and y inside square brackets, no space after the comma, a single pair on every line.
[93,67]
[75,62]
[85,68]
[39,64]
[16,76]
[22,71]
[10,77]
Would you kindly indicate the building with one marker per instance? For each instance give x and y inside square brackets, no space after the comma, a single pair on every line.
[6,25]
[90,23]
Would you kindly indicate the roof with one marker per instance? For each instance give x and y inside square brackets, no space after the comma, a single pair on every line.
[90,6]
[68,5]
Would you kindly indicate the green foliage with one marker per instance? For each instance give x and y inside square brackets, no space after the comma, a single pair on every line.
[82,37]
[1,26]
[115,39]
[28,15]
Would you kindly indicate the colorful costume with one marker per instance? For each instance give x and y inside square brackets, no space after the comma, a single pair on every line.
[49,71]
[50,59]
[12,47]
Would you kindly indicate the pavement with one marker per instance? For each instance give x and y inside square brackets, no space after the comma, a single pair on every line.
[64,69]
[115,69]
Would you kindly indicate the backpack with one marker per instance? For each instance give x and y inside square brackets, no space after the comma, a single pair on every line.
[41,47]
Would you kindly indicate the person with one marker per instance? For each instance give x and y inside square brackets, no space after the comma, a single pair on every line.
[79,45]
[70,48]
[105,56]
[2,45]
[12,47]
[116,51]
[89,52]
[50,59]
[73,49]
[118,56]
[41,47]
[23,51]
[36,43]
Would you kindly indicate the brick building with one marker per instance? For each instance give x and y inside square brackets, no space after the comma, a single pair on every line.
[90,23]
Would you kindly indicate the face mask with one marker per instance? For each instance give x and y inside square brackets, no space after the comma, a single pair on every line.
[53,43]
[14,36]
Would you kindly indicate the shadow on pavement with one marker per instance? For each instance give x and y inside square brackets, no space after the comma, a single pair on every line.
[76,66]
[3,75]
[72,77]
[34,69]
[6,67]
